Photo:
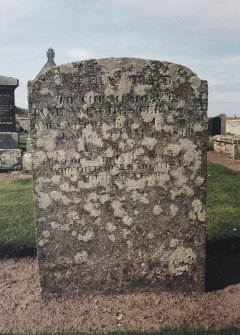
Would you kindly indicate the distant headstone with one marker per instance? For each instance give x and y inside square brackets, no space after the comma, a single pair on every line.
[8,140]
[119,166]
[214,126]
[7,104]
[10,155]
[50,63]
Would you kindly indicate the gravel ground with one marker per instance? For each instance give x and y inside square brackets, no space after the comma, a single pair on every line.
[23,310]
[215,158]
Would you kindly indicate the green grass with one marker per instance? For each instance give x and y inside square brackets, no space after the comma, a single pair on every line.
[210,144]
[17,227]
[22,141]
[223,210]
[163,331]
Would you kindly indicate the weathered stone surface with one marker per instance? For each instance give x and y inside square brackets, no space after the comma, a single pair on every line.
[27,161]
[119,165]
[8,140]
[28,144]
[10,159]
[23,124]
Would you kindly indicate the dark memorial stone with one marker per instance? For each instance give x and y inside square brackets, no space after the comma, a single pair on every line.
[214,126]
[7,104]
[8,140]
[119,167]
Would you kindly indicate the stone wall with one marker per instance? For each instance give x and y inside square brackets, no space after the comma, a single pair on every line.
[10,159]
[233,126]
[228,145]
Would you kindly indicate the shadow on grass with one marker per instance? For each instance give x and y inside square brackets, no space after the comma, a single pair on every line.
[222,261]
[17,251]
[222,264]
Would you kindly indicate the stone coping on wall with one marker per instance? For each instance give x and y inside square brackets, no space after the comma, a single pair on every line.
[232,139]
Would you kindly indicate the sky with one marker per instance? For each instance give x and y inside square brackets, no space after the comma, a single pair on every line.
[203,35]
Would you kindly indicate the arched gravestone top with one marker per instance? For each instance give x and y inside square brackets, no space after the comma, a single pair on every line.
[119,165]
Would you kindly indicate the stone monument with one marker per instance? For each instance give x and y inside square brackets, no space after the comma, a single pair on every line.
[50,62]
[119,166]
[27,157]
[10,155]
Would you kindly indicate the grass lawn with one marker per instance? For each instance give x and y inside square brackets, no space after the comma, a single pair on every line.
[22,141]
[223,203]
[210,144]
[17,227]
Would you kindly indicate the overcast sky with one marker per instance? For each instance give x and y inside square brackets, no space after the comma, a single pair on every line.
[203,35]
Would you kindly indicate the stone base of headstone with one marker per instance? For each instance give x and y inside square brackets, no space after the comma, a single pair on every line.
[10,159]
[27,161]
[8,140]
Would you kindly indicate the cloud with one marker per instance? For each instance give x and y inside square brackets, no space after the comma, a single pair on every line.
[197,14]
[80,54]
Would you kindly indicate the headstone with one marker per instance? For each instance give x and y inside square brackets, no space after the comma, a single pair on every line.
[214,126]
[10,155]
[50,63]
[119,166]
[7,104]
[223,123]
[8,140]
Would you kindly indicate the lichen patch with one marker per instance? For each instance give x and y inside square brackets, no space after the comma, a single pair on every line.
[157,210]
[110,227]
[181,260]
[81,257]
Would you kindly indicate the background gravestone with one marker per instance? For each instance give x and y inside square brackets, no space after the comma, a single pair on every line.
[10,155]
[7,104]
[119,166]
[214,126]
